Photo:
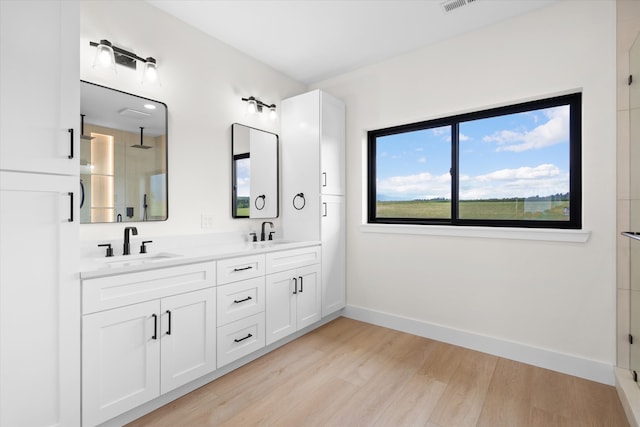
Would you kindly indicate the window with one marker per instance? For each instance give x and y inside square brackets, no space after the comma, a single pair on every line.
[514,166]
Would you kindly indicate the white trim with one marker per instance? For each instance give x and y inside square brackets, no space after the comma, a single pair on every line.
[546,234]
[629,394]
[566,363]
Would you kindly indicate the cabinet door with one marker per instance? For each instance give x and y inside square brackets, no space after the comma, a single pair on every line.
[308,296]
[301,166]
[120,360]
[188,337]
[39,302]
[40,88]
[280,305]
[333,255]
[332,145]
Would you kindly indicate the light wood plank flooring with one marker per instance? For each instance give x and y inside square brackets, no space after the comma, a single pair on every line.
[350,373]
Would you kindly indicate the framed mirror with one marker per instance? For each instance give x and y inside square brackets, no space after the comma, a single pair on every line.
[123,156]
[254,168]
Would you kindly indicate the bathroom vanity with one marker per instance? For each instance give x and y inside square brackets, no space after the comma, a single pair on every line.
[152,323]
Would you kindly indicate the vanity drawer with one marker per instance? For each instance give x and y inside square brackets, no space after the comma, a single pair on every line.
[235,269]
[293,258]
[108,292]
[240,299]
[240,338]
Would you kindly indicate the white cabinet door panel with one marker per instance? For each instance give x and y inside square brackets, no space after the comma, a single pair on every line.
[309,308]
[333,255]
[39,301]
[187,337]
[40,91]
[121,360]
[281,306]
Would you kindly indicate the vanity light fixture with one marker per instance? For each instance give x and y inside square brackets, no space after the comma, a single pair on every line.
[108,55]
[254,105]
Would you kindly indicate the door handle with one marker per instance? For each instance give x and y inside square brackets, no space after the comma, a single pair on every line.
[70,194]
[169,327]
[155,326]
[324,179]
[324,207]
[295,286]
[71,143]
[300,277]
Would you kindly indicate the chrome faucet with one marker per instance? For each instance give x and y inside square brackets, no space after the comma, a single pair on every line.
[262,239]
[126,250]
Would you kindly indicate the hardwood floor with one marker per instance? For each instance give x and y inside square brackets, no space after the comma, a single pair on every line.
[350,373]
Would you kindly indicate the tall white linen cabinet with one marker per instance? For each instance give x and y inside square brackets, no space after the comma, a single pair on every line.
[313,184]
[39,185]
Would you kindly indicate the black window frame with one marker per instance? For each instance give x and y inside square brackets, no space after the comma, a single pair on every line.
[574,100]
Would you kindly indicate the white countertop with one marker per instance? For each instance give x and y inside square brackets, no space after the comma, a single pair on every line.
[94,267]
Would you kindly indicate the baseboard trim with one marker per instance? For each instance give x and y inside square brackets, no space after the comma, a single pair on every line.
[559,362]
[629,394]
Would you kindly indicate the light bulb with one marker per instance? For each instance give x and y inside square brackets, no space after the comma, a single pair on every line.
[150,72]
[272,112]
[252,107]
[105,59]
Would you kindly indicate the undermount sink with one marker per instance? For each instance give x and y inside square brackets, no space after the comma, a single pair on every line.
[131,260]
[269,243]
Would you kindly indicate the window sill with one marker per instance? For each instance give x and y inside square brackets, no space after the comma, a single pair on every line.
[543,234]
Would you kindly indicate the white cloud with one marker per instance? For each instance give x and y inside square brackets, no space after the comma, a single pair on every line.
[422,159]
[555,130]
[418,186]
[542,171]
[541,180]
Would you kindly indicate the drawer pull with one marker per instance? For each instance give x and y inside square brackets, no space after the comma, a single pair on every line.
[70,143]
[155,327]
[169,327]
[242,339]
[238,301]
[249,267]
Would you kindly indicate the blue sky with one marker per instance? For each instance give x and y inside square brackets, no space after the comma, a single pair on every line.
[517,155]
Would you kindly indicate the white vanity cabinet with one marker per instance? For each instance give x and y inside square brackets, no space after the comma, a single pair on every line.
[241,307]
[39,291]
[293,291]
[144,334]
[313,169]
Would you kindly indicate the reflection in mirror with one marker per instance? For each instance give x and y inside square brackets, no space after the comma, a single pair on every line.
[123,156]
[254,172]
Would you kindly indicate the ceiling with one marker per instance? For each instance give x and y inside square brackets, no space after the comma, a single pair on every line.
[312,40]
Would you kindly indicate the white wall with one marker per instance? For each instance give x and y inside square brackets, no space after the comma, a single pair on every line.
[556,297]
[202,83]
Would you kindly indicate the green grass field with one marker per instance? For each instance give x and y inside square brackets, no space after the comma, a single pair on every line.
[476,209]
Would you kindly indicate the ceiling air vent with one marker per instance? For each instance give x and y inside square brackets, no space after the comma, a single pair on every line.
[450,5]
[130,112]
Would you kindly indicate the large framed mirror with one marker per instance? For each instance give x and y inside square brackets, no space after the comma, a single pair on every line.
[123,156]
[254,168]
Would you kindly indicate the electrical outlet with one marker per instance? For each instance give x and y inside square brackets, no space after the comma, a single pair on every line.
[206,221]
